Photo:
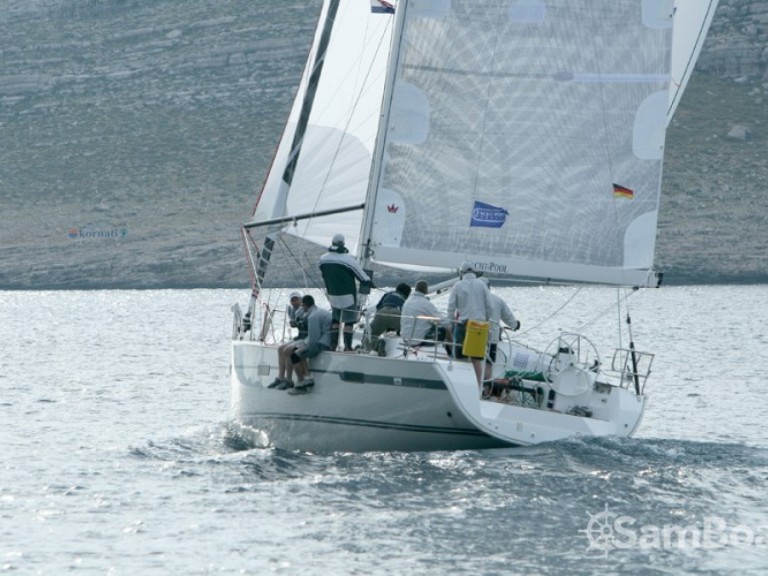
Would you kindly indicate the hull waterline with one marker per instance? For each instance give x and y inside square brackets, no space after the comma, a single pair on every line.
[365,403]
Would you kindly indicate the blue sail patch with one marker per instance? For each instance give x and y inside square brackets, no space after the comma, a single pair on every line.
[488,216]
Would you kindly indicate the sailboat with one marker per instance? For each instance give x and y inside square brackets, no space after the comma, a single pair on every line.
[523,136]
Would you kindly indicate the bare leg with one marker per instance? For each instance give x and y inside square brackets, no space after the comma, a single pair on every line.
[286,366]
[298,368]
[281,362]
[334,336]
[478,366]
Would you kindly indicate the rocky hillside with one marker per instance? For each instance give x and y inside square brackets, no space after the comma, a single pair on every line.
[136,132]
[713,220]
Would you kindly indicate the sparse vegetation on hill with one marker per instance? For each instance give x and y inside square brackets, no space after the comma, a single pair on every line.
[135,135]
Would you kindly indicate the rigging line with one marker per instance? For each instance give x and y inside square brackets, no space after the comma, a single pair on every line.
[605,311]
[618,313]
[691,61]
[351,114]
[308,279]
[553,314]
[245,237]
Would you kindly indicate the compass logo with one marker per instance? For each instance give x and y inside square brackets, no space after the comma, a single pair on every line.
[608,531]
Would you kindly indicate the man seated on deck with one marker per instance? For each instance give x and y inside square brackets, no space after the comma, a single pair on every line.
[318,340]
[295,314]
[387,316]
[421,322]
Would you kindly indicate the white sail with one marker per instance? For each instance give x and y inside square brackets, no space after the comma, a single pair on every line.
[323,160]
[691,23]
[511,122]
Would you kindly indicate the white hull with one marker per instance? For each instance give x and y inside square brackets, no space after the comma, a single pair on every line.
[366,403]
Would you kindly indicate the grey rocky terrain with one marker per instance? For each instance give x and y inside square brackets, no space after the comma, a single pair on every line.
[134,135]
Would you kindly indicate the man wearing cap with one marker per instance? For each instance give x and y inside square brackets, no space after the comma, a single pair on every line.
[470,299]
[340,269]
[295,314]
[296,319]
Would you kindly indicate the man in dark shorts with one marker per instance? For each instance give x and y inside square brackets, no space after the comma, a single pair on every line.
[340,270]
[295,315]
[387,315]
[318,340]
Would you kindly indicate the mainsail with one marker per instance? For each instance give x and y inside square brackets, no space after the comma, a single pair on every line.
[509,124]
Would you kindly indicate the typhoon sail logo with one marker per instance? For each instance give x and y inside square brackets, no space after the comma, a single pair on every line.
[488,216]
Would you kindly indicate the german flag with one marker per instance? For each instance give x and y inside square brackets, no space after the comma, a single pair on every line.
[623,192]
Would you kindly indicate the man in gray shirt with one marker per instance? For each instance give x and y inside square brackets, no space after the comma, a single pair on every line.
[318,340]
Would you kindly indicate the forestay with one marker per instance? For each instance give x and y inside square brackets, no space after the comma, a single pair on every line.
[526,136]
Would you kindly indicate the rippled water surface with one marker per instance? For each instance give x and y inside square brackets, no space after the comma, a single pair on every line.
[118,457]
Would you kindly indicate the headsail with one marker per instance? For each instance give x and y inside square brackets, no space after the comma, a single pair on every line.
[324,158]
[509,124]
[691,23]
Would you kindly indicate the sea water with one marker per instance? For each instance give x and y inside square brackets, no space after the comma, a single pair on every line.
[118,456]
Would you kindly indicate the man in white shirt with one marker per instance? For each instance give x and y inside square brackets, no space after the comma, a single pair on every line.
[421,321]
[470,299]
[501,314]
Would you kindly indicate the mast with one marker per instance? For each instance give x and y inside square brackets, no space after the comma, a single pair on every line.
[365,253]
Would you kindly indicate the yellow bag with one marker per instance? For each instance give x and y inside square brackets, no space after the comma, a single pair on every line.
[475,339]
